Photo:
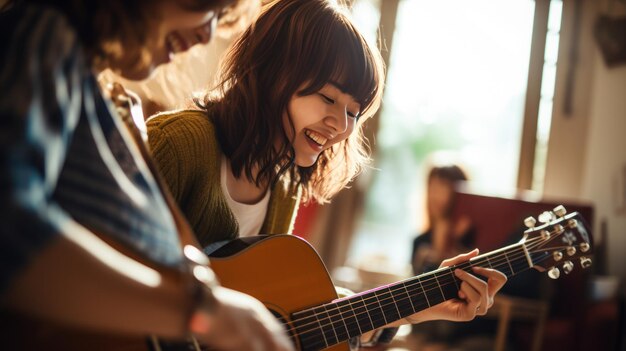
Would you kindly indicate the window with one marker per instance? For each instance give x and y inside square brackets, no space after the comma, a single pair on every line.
[457,82]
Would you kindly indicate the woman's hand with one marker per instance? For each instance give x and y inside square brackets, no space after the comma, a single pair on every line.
[475,295]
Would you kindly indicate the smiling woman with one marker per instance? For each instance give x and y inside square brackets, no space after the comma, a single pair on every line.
[283,126]
[283,121]
[316,122]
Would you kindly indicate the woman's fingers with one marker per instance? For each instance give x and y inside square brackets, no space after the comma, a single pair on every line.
[478,289]
[475,292]
[495,279]
[459,258]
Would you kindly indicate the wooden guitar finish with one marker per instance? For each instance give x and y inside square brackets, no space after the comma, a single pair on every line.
[282,271]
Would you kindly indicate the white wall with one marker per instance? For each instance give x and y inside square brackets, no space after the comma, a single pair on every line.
[605,170]
[587,150]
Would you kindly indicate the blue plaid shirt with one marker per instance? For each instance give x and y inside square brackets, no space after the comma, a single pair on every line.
[64,154]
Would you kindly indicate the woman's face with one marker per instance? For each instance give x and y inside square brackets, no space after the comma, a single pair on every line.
[440,193]
[178,30]
[320,120]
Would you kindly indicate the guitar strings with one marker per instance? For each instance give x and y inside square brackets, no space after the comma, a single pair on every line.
[497,261]
[427,288]
[305,338]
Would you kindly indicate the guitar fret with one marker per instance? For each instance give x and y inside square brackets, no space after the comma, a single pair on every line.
[356,319]
[408,295]
[451,272]
[435,295]
[376,313]
[349,319]
[342,333]
[305,329]
[395,303]
[418,296]
[448,290]
[392,313]
[381,308]
[443,296]
[403,300]
[424,292]
[362,315]
[331,338]
[509,263]
[321,328]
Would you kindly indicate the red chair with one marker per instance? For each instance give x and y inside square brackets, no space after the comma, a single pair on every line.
[497,220]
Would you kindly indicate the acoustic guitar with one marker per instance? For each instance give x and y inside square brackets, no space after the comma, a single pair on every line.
[287,275]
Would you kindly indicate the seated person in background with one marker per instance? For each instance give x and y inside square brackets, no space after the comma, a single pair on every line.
[283,126]
[446,236]
[89,240]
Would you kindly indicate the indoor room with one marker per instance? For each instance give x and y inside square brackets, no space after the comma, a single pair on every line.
[492,143]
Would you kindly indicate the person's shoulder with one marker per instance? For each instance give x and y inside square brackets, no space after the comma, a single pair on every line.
[180,119]
[189,130]
[422,238]
[41,60]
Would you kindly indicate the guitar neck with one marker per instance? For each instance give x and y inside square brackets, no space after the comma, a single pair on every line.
[352,316]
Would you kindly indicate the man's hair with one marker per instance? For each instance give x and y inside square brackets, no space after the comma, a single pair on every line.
[293,43]
[109,29]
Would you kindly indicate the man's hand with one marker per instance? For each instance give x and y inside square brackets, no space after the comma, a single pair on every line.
[240,322]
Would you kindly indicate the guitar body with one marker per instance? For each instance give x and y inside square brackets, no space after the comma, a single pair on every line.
[282,271]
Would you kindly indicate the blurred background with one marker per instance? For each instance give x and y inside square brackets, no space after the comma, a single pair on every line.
[529,99]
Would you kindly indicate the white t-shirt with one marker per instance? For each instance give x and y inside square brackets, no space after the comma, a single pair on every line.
[250,217]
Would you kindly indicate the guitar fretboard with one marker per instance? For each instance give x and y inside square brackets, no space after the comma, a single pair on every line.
[326,325]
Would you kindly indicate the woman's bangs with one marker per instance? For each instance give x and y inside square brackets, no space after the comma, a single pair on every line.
[345,61]
[355,71]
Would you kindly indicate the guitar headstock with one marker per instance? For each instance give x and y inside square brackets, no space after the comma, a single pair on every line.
[561,242]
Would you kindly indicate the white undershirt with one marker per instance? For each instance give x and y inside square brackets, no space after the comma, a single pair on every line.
[250,217]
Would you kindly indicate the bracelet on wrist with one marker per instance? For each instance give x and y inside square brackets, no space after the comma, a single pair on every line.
[201,280]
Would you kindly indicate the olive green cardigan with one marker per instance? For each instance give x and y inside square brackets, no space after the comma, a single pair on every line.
[188,156]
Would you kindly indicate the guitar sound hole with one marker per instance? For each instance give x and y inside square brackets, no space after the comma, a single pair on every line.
[287,326]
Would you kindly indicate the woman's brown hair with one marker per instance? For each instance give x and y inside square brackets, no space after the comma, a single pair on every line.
[451,174]
[293,43]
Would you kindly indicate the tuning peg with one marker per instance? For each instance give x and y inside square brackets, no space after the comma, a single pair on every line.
[568,267]
[572,223]
[558,229]
[557,255]
[584,247]
[530,222]
[585,262]
[545,235]
[554,273]
[560,211]
[546,217]
[571,251]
